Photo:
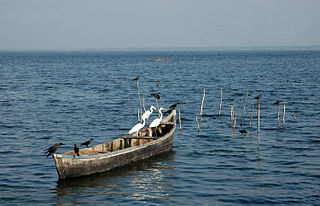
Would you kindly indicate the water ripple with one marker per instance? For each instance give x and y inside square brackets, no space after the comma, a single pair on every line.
[49,97]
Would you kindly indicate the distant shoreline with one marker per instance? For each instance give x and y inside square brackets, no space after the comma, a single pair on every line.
[174,49]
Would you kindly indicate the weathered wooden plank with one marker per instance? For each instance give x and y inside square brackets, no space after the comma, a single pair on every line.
[142,137]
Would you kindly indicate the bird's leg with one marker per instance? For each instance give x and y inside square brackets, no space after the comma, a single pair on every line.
[149,133]
[159,130]
[155,132]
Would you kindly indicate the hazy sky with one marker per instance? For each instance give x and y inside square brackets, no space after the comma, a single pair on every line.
[102,24]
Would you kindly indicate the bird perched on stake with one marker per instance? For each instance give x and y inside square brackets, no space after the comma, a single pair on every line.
[147,114]
[136,78]
[76,150]
[86,143]
[278,102]
[52,149]
[156,95]
[258,97]
[158,84]
[157,121]
[137,127]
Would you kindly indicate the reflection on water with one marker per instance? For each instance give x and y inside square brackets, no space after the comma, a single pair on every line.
[143,180]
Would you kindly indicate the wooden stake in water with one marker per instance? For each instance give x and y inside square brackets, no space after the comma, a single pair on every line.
[140,109]
[197,123]
[138,115]
[231,114]
[220,103]
[245,102]
[258,141]
[278,114]
[251,115]
[284,114]
[204,94]
[139,98]
[258,116]
[234,121]
[180,122]
[258,136]
[144,108]
[241,123]
[157,96]
[295,119]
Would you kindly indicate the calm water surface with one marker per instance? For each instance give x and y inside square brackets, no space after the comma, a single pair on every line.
[69,97]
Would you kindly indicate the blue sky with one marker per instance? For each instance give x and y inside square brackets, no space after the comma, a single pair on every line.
[103,24]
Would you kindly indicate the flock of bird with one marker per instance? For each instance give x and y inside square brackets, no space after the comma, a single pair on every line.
[258,97]
[146,115]
[55,147]
[136,128]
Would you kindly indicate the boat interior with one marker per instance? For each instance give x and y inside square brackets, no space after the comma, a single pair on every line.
[142,137]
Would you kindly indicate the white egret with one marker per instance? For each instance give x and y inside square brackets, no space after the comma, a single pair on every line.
[157,121]
[137,127]
[147,114]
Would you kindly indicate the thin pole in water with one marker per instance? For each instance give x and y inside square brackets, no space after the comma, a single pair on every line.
[258,116]
[245,102]
[144,108]
[278,114]
[140,109]
[295,119]
[180,122]
[197,123]
[231,114]
[284,114]
[201,108]
[220,102]
[258,138]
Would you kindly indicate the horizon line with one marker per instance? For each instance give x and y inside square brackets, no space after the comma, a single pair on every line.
[131,49]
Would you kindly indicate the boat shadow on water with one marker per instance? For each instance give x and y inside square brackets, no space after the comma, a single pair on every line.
[135,180]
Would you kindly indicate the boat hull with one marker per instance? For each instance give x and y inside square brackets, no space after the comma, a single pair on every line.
[69,166]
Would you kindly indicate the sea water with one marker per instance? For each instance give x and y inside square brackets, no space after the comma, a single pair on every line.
[70,97]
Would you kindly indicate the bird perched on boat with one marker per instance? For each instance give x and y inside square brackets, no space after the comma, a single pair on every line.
[172,107]
[76,150]
[147,114]
[137,127]
[243,131]
[52,149]
[156,95]
[258,97]
[278,102]
[136,78]
[157,121]
[86,143]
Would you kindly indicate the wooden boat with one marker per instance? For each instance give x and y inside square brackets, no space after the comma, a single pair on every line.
[118,152]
